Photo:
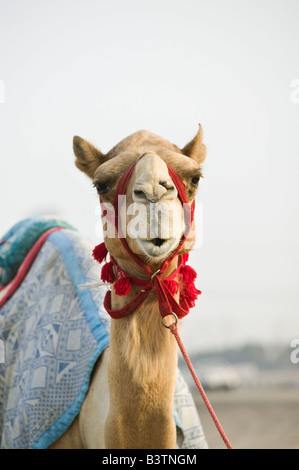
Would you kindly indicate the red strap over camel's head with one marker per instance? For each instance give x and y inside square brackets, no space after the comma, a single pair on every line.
[165,288]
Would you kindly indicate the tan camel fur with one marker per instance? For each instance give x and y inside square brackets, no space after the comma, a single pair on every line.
[130,399]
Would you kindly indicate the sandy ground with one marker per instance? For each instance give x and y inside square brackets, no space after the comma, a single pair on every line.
[252,418]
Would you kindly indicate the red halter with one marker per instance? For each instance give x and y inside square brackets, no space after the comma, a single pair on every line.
[166,287]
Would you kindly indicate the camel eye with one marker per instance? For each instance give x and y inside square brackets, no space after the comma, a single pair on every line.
[195,180]
[102,188]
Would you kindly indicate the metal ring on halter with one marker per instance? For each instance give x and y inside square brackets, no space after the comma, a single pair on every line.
[175,320]
[155,274]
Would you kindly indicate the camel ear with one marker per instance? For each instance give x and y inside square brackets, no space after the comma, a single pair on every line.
[88,158]
[196,149]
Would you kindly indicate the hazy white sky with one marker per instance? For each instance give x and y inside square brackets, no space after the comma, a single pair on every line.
[103,70]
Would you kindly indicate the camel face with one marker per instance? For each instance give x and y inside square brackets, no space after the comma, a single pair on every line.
[154,219]
[152,195]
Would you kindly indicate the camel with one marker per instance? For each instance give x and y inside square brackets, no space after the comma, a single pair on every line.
[135,376]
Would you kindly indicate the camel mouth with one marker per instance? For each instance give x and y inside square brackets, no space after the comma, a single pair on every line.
[157,247]
[158,241]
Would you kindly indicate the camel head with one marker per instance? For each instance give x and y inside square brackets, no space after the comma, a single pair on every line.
[153,215]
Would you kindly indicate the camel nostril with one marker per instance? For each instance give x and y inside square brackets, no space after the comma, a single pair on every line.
[140,194]
[167,185]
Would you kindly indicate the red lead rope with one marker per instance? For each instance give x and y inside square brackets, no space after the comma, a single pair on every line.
[174,330]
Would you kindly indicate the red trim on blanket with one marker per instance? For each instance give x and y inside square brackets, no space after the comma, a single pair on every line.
[25,266]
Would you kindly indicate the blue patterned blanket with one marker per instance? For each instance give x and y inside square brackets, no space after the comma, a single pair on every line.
[53,332]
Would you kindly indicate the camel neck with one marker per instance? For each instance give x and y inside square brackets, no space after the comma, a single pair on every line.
[142,374]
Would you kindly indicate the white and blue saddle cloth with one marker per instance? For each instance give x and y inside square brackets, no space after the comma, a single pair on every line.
[53,332]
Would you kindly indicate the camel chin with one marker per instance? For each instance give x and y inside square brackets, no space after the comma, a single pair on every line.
[157,248]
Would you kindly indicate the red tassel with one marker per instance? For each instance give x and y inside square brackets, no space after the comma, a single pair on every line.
[100,252]
[190,294]
[172,286]
[184,258]
[107,274]
[122,286]
[188,274]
